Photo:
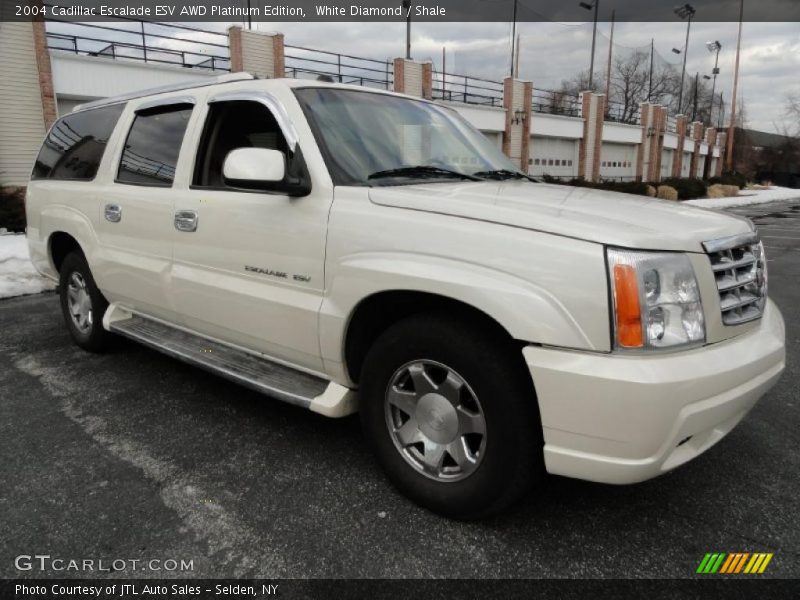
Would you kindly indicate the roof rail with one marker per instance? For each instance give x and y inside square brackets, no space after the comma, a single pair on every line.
[174,87]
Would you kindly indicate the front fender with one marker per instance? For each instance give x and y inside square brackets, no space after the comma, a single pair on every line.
[526,310]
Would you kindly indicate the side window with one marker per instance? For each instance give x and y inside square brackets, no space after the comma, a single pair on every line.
[75,145]
[231,125]
[153,145]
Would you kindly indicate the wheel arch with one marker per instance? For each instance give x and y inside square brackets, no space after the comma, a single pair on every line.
[59,245]
[375,313]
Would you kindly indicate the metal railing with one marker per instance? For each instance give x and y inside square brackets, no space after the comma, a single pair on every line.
[556,103]
[145,41]
[308,63]
[469,90]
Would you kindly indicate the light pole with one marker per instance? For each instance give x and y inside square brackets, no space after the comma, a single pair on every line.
[713,47]
[685,11]
[589,6]
[407,8]
[513,36]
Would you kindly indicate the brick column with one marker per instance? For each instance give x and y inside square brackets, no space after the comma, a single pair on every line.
[256,52]
[593,109]
[681,126]
[654,122]
[413,78]
[517,101]
[721,136]
[711,140]
[697,136]
[49,108]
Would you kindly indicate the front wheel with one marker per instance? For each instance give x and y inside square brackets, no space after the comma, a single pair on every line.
[451,414]
[82,304]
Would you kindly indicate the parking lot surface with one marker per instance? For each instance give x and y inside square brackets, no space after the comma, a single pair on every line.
[134,455]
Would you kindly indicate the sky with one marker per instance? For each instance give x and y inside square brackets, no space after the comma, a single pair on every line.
[550,52]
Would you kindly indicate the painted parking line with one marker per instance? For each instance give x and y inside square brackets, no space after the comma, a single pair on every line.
[779,237]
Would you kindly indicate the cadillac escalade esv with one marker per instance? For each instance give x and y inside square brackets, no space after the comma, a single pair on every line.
[346,249]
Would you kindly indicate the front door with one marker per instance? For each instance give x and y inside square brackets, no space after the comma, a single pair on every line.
[250,269]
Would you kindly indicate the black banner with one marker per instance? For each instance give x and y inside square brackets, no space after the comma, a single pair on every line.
[375,589]
[396,10]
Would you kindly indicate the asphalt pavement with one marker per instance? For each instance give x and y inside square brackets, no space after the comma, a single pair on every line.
[132,455]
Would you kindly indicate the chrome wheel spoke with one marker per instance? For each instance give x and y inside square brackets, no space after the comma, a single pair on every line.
[423,384]
[405,401]
[451,388]
[433,458]
[470,422]
[461,456]
[409,433]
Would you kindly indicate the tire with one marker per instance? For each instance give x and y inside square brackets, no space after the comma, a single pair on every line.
[82,304]
[436,366]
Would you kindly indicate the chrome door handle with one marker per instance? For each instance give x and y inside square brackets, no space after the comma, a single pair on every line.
[186,220]
[113,213]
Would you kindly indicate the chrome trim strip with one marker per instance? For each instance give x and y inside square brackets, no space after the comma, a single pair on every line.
[273,105]
[734,241]
[735,264]
[175,87]
[166,102]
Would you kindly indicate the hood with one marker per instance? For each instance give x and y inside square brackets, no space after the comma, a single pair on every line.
[595,215]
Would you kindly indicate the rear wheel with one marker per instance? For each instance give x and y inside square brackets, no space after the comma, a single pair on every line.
[82,304]
[451,414]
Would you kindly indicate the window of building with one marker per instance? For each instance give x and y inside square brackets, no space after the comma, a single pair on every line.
[75,145]
[153,145]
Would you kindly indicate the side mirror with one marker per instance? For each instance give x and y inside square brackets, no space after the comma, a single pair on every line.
[254,165]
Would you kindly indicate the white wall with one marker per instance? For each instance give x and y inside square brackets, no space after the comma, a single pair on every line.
[99,77]
[485,118]
[21,115]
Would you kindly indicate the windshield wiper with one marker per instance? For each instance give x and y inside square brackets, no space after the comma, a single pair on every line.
[422,171]
[501,174]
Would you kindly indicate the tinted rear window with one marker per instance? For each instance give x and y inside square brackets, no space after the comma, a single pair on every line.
[75,145]
[153,145]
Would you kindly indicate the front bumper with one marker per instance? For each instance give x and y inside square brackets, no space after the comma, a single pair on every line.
[622,419]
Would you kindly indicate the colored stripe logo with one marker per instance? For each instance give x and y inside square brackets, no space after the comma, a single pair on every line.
[734,563]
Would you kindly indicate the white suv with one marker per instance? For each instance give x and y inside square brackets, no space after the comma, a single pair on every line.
[345,249]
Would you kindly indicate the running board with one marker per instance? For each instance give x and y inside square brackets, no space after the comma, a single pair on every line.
[248,369]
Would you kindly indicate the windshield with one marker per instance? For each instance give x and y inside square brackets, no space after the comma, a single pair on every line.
[377,139]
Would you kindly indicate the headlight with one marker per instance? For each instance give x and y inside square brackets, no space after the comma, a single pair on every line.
[656,301]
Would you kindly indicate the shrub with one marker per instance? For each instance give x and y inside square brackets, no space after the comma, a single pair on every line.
[651,191]
[12,208]
[716,191]
[731,190]
[666,192]
[736,179]
[687,188]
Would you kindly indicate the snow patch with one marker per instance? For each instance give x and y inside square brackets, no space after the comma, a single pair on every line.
[747,197]
[17,275]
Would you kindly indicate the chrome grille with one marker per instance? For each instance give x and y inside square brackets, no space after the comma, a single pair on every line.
[740,270]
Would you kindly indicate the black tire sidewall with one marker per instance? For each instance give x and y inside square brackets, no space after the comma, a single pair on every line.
[95,339]
[513,452]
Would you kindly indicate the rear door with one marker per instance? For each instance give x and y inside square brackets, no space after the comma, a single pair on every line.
[136,208]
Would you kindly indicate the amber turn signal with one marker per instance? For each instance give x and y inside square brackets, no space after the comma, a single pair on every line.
[629,314]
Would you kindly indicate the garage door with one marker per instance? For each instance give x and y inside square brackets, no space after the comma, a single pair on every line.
[618,161]
[553,156]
